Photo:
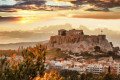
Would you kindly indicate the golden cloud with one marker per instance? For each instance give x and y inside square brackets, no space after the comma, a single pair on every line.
[94,15]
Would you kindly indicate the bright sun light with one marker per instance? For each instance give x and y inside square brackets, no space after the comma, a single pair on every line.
[23,21]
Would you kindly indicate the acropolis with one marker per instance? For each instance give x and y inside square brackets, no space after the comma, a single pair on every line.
[76,41]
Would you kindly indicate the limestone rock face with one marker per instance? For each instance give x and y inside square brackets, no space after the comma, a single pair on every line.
[76,41]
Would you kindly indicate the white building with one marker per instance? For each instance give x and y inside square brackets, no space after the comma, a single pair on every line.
[118,68]
[95,68]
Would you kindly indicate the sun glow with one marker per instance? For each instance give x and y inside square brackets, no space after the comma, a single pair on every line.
[24,21]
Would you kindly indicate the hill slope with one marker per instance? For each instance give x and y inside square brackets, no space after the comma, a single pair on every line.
[14,46]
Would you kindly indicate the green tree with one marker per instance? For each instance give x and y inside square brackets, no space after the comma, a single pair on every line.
[88,75]
[69,75]
[109,69]
[108,77]
[58,50]
[82,77]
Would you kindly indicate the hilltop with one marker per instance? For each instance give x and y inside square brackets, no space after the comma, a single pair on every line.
[76,41]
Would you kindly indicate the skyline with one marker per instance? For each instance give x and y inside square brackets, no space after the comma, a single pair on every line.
[29,15]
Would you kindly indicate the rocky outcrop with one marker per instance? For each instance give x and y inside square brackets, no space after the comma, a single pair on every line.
[76,41]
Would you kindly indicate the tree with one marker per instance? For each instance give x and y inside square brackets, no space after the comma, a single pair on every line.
[109,69]
[108,76]
[69,75]
[110,53]
[82,77]
[88,75]
[58,50]
[53,75]
[26,67]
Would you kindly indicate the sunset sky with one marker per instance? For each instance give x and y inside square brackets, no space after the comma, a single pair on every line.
[27,15]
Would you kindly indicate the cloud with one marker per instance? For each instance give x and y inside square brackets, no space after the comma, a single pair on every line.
[94,15]
[98,3]
[20,4]
[44,33]
[7,2]
[93,9]
[53,28]
[22,36]
[35,4]
[38,34]
[112,36]
[10,18]
[7,9]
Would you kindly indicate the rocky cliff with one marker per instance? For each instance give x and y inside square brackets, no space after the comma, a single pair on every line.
[76,41]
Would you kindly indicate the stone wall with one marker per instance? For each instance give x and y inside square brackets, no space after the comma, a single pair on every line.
[72,32]
[76,41]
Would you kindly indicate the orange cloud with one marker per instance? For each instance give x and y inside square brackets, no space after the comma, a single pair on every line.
[94,15]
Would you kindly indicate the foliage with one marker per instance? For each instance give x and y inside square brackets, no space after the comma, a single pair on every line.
[53,75]
[69,75]
[109,69]
[8,52]
[86,54]
[86,76]
[58,50]
[106,76]
[56,53]
[26,67]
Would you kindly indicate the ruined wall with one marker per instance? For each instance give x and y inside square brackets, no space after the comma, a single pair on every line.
[80,43]
[74,32]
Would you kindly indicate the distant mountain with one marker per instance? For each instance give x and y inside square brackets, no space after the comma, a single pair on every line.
[15,46]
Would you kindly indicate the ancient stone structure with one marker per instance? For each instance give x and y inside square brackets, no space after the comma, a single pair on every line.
[76,41]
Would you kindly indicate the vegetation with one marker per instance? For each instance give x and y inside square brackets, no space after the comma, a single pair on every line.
[53,75]
[69,75]
[56,53]
[26,67]
[106,76]
[29,66]
[108,54]
[9,52]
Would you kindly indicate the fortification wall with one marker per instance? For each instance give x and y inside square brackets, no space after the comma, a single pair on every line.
[79,43]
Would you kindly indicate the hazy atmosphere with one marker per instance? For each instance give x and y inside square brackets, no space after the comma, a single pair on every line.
[19,19]
[59,39]
[31,21]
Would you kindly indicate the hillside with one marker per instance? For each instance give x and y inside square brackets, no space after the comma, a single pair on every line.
[56,53]
[15,46]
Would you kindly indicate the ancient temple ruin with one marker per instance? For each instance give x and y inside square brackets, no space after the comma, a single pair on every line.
[76,41]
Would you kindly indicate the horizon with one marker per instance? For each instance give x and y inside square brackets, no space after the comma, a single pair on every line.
[19,18]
